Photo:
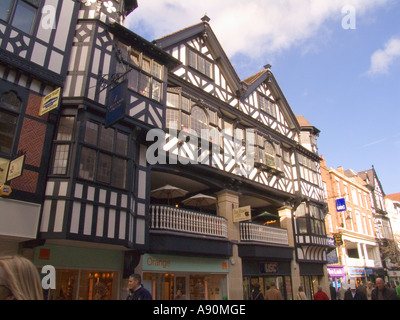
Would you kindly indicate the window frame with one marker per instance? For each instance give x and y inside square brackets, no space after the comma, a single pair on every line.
[13,10]
[13,111]
[101,152]
[196,58]
[149,74]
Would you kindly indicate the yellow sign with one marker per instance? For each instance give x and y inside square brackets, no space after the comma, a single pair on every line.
[16,167]
[5,190]
[242,214]
[50,102]
[4,163]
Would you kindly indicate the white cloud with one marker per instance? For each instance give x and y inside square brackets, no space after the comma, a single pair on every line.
[253,28]
[381,60]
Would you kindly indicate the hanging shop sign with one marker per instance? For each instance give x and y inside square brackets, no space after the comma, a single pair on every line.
[50,102]
[5,190]
[341,205]
[338,239]
[16,168]
[116,104]
[4,164]
[242,214]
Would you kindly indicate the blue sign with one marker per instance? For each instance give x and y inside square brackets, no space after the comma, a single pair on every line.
[341,205]
[116,104]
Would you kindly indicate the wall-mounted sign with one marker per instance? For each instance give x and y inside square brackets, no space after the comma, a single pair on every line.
[16,168]
[338,239]
[341,205]
[5,190]
[50,102]
[116,104]
[4,164]
[242,214]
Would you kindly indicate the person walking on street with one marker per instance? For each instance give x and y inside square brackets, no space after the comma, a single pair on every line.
[381,292]
[369,290]
[398,289]
[301,295]
[320,295]
[353,293]
[136,289]
[256,294]
[332,290]
[19,279]
[273,293]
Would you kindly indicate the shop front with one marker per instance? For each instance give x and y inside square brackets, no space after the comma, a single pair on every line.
[311,276]
[265,273]
[337,276]
[357,274]
[170,277]
[82,273]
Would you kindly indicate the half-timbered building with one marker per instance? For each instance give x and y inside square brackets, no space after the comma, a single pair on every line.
[34,53]
[240,142]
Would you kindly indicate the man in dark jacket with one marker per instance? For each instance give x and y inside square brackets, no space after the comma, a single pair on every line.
[136,289]
[383,293]
[353,293]
[256,294]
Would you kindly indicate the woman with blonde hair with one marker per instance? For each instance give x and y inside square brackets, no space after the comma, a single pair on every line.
[19,279]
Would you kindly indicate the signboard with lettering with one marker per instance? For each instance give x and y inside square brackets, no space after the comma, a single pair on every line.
[341,205]
[242,214]
[116,104]
[4,164]
[16,168]
[50,102]
[338,239]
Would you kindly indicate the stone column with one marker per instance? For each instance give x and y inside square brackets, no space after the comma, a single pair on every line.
[227,201]
[285,214]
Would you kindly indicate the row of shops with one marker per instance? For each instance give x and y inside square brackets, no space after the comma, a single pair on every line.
[98,274]
[340,275]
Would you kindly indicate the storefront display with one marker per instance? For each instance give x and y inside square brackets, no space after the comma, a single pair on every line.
[82,273]
[185,278]
[264,273]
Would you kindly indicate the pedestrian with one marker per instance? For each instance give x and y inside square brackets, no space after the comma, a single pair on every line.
[398,289]
[381,292]
[369,290]
[332,290]
[301,294]
[19,279]
[353,293]
[320,295]
[273,293]
[342,290]
[136,289]
[256,294]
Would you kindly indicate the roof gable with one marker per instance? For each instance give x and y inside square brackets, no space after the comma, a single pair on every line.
[201,39]
[264,85]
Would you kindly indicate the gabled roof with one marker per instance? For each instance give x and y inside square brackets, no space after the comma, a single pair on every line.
[371,175]
[204,30]
[266,75]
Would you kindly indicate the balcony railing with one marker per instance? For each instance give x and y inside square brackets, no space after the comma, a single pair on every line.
[258,233]
[182,220]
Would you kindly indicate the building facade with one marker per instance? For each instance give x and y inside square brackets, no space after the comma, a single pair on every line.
[392,203]
[383,227]
[355,254]
[133,117]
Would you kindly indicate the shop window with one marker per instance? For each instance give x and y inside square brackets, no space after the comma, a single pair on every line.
[84,285]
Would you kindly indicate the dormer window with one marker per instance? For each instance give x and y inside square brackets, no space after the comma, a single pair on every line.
[201,64]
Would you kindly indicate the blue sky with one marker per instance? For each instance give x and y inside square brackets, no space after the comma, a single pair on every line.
[346,82]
